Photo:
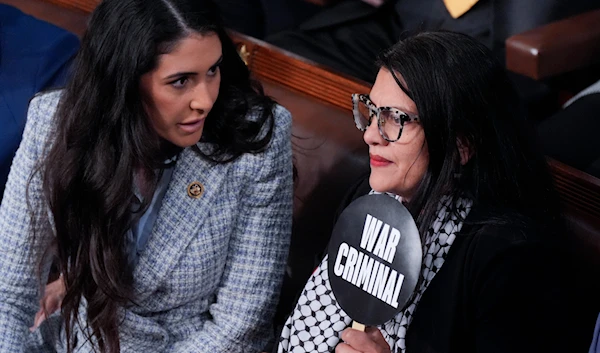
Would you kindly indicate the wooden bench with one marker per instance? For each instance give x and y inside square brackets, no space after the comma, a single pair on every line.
[329,152]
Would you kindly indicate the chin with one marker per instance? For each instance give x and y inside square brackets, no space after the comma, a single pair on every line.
[378,183]
[189,143]
[382,184]
[182,143]
[186,141]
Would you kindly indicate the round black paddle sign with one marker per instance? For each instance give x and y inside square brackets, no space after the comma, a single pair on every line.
[374,259]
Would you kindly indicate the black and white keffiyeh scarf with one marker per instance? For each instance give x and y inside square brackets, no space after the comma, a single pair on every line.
[317,321]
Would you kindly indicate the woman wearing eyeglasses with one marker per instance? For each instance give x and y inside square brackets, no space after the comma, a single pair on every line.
[446,137]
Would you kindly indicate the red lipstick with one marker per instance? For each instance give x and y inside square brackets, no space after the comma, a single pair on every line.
[378,161]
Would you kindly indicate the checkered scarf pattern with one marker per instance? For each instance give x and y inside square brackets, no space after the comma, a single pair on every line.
[317,322]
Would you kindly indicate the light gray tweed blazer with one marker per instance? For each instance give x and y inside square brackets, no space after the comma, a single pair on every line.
[209,277]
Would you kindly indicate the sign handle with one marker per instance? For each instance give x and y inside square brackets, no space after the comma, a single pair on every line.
[358,326]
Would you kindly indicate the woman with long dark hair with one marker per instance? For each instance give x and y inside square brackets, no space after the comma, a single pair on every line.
[160,183]
[447,138]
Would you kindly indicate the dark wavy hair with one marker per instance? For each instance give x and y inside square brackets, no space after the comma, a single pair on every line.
[463,94]
[104,138]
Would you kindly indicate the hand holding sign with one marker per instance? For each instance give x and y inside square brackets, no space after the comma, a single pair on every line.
[374,259]
[369,341]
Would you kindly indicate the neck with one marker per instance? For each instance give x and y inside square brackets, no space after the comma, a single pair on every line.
[168,150]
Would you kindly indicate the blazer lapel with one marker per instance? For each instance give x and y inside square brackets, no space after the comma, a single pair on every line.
[179,220]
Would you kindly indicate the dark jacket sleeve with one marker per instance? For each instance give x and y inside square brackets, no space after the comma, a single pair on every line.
[523,294]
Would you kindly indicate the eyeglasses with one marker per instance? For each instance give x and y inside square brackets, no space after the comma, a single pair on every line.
[390,121]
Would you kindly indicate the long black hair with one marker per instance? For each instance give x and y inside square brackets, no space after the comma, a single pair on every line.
[104,138]
[464,96]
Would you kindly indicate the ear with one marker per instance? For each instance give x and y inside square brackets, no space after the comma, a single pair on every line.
[464,150]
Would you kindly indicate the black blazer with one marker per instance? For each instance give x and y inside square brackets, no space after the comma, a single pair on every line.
[503,288]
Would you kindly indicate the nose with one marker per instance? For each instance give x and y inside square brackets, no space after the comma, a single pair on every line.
[201,99]
[371,136]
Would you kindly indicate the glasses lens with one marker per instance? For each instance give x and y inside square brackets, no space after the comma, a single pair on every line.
[362,118]
[392,124]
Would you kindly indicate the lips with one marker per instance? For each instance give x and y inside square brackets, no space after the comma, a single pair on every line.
[191,126]
[378,161]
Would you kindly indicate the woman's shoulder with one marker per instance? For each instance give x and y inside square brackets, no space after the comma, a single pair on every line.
[42,108]
[283,122]
[46,101]
[281,114]
[40,122]
[281,126]
[278,149]
[282,119]
[491,232]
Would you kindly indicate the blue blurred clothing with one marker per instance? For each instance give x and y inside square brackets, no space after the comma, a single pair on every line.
[595,347]
[138,236]
[34,56]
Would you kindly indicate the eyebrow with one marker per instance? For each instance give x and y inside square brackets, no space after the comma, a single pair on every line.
[190,73]
[180,74]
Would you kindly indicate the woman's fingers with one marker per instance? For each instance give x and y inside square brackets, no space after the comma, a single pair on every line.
[39,318]
[53,295]
[370,341]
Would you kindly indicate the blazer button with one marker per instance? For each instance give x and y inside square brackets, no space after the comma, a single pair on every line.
[195,189]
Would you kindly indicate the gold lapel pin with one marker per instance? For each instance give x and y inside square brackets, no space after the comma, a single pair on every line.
[195,189]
